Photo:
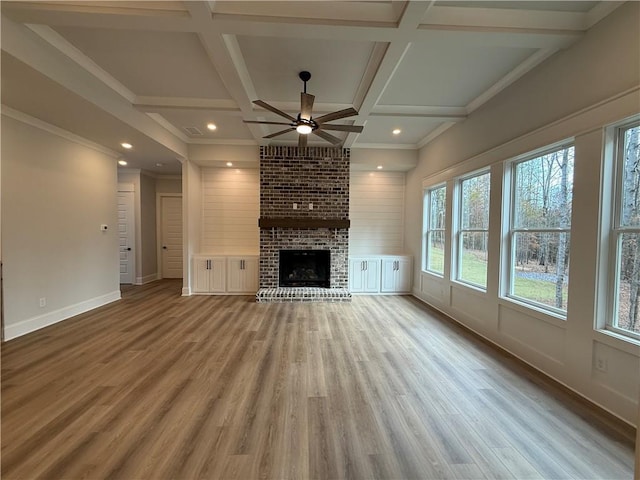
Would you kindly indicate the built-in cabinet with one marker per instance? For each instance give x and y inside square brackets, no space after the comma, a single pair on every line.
[380,274]
[221,274]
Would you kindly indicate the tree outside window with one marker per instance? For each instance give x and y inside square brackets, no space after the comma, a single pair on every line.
[473,230]
[626,234]
[435,205]
[540,229]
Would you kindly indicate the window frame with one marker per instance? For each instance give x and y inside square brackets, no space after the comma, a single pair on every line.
[428,230]
[512,231]
[460,230]
[616,231]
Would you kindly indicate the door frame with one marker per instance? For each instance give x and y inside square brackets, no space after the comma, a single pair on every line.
[159,197]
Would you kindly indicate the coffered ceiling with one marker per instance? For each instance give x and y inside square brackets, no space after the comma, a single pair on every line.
[159,72]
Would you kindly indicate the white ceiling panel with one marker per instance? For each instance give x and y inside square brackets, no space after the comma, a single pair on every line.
[163,64]
[448,76]
[228,126]
[337,67]
[379,130]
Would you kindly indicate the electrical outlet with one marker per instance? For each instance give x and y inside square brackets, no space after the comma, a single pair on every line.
[311,206]
[295,206]
[43,302]
[601,364]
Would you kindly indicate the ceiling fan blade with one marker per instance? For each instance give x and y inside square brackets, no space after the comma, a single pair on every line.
[266,123]
[347,112]
[328,137]
[306,105]
[342,128]
[266,106]
[281,132]
[302,141]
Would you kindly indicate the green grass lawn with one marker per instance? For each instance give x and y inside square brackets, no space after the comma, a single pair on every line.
[474,270]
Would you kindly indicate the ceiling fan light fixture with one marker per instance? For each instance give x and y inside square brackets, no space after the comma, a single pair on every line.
[304,129]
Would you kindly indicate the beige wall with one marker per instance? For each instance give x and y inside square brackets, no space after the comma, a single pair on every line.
[55,195]
[574,94]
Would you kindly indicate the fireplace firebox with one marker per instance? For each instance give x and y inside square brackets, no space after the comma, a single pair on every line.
[304,268]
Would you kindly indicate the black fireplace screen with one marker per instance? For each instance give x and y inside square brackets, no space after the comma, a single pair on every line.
[305,268]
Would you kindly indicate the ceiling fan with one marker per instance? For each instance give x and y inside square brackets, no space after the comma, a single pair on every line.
[305,124]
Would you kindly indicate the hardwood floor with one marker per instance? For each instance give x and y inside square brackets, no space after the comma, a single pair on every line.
[162,386]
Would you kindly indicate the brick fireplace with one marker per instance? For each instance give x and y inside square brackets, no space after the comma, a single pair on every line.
[316,180]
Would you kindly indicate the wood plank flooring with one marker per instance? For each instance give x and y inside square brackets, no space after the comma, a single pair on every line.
[161,386]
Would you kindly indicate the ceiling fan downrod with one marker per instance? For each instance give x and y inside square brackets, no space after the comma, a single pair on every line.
[304,76]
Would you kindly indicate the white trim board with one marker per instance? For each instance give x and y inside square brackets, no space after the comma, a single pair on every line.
[36,323]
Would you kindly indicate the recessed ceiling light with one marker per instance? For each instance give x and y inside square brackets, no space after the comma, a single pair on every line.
[126,145]
[211,126]
[159,164]
[379,167]
[229,164]
[122,162]
[396,131]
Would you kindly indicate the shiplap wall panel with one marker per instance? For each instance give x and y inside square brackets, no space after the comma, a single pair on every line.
[376,209]
[230,211]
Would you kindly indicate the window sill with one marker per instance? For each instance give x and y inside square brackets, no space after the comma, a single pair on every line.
[618,341]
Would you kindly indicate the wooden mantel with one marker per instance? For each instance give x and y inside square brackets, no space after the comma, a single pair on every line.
[303,223]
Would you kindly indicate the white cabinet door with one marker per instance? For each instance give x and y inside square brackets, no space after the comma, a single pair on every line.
[209,274]
[251,269]
[243,274]
[372,276]
[388,275]
[356,275]
[201,274]
[396,275]
[403,275]
[217,280]
[364,275]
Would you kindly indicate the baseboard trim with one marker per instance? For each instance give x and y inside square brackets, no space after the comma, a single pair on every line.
[147,279]
[186,292]
[36,323]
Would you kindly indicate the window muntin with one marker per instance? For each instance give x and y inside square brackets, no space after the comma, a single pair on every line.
[434,240]
[540,228]
[473,230]
[625,315]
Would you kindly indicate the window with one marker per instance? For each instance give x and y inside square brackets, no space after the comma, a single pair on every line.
[434,215]
[540,226]
[473,229]
[626,234]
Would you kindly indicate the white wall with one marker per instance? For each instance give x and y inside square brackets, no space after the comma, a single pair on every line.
[573,94]
[376,210]
[168,184]
[191,219]
[55,195]
[148,229]
[230,211]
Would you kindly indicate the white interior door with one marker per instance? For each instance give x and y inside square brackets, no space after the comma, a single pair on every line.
[171,236]
[126,240]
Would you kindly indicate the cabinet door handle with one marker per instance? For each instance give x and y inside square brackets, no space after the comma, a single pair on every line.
[241,264]
[366,265]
